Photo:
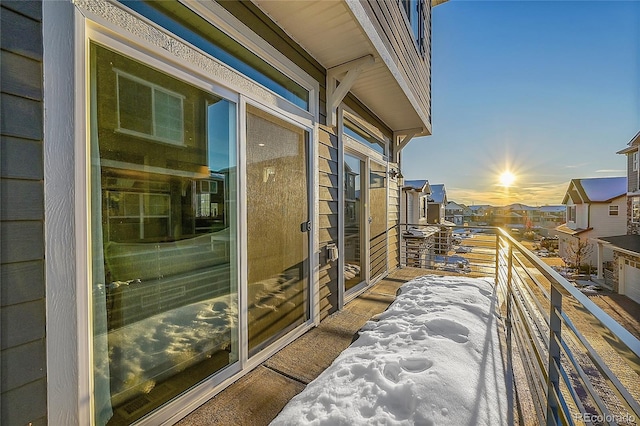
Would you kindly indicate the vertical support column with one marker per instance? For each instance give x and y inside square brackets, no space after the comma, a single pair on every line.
[553,383]
[600,260]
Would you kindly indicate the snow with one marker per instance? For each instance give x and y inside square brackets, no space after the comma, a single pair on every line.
[604,189]
[432,358]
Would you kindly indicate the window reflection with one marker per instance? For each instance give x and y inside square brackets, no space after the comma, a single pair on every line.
[165,306]
[356,133]
[378,214]
[353,231]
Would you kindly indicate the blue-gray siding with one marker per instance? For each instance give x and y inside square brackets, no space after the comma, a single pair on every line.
[23,397]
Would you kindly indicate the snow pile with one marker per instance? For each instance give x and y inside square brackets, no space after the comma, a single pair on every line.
[432,358]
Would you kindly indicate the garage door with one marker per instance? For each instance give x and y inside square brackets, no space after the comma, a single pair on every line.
[632,280]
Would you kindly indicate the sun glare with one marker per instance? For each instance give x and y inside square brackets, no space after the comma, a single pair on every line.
[507,178]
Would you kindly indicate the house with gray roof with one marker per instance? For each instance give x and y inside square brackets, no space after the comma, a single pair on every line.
[413,202]
[436,204]
[594,208]
[623,271]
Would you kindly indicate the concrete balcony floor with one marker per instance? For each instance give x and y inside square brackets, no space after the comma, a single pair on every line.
[258,397]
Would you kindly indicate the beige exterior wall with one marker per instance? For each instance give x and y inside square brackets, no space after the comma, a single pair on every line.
[605,225]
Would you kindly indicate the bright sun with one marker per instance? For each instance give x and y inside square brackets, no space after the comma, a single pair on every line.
[507,178]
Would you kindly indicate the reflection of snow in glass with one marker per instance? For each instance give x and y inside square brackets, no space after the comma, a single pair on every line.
[351,271]
[148,351]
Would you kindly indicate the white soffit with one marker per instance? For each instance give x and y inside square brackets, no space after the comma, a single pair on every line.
[329,31]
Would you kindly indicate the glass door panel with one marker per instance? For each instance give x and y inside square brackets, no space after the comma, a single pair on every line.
[353,222]
[277,237]
[163,233]
[377,219]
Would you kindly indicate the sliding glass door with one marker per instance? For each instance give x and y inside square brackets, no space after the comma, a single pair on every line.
[277,227]
[164,236]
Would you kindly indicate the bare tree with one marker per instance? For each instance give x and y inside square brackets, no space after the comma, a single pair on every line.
[578,251]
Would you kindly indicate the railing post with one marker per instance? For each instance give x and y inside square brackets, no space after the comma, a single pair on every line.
[401,248]
[509,292]
[553,383]
[497,258]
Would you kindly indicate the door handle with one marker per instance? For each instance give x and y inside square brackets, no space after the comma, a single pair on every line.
[305,226]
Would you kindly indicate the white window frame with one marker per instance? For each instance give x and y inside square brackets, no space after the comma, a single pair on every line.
[634,161]
[571,214]
[154,122]
[357,146]
[348,145]
[419,39]
[67,29]
[635,210]
[614,210]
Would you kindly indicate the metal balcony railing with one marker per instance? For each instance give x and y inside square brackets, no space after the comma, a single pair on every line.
[571,362]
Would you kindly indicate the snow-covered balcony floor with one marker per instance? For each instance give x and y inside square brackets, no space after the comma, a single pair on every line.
[433,357]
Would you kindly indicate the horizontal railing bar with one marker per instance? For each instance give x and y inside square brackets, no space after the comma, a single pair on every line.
[572,391]
[535,280]
[533,344]
[534,384]
[523,291]
[584,380]
[524,284]
[538,285]
[534,334]
[558,280]
[602,366]
[560,402]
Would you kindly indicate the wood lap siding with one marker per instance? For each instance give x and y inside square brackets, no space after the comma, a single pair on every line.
[328,219]
[22,293]
[393,220]
[392,26]
[328,153]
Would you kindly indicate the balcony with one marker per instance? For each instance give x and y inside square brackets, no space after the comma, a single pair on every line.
[571,363]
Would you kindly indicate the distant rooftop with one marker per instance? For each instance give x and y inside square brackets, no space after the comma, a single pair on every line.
[552,209]
[438,193]
[417,184]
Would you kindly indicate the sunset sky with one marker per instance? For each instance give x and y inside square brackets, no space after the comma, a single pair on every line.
[548,90]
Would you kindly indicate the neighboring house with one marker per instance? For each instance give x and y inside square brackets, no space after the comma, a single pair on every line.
[172,220]
[419,239]
[623,272]
[594,208]
[455,213]
[436,204]
[506,217]
[549,217]
[413,202]
[481,214]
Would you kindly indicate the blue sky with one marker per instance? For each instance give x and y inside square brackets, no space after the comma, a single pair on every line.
[547,89]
